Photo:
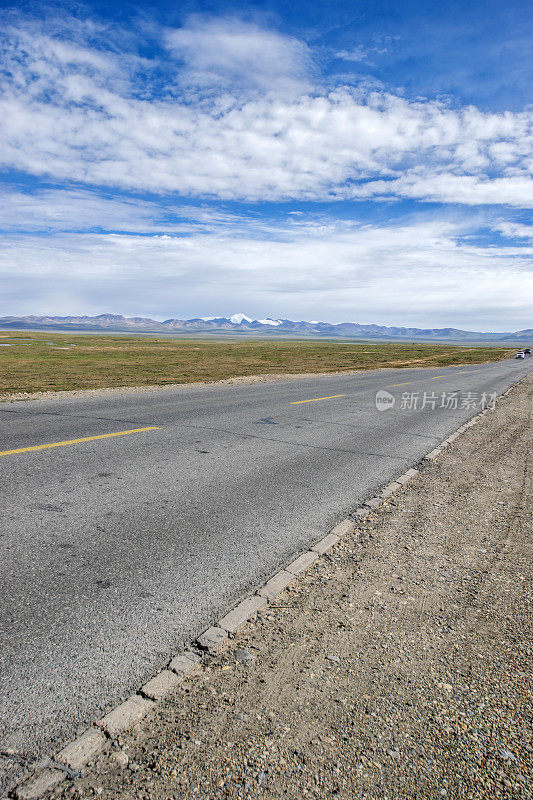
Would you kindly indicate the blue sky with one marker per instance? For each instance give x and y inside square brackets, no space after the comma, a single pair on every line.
[367,162]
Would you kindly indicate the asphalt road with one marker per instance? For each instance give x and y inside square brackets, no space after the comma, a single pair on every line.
[117,551]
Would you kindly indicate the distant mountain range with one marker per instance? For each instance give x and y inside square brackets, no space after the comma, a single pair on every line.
[241,324]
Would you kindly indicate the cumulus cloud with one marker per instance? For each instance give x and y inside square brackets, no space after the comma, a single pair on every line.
[73,113]
[227,111]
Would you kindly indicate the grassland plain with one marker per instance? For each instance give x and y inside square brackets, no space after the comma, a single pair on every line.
[37,362]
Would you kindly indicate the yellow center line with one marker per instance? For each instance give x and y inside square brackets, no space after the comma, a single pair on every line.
[76,441]
[398,384]
[314,399]
[438,376]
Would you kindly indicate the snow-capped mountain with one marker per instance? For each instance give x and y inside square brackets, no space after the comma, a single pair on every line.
[242,324]
[268,321]
[238,318]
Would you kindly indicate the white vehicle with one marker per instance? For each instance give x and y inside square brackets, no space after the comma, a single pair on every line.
[519,355]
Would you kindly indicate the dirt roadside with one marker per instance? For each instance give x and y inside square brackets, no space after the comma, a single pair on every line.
[399,666]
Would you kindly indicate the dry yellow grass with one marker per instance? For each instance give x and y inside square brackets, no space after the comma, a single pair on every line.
[53,361]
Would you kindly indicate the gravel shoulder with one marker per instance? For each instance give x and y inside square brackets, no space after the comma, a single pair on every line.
[399,666]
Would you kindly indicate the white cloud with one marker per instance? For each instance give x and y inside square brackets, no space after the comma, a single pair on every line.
[357,54]
[515,230]
[77,114]
[56,210]
[231,114]
[449,188]
[51,210]
[423,273]
[233,54]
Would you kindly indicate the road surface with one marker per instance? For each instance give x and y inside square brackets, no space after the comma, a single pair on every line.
[117,550]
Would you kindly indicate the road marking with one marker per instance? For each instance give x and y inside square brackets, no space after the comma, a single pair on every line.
[397,384]
[438,376]
[314,399]
[76,441]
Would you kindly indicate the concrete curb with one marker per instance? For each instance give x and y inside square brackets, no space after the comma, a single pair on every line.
[39,784]
[78,753]
[161,686]
[276,585]
[302,563]
[126,715]
[234,620]
[212,639]
[185,664]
